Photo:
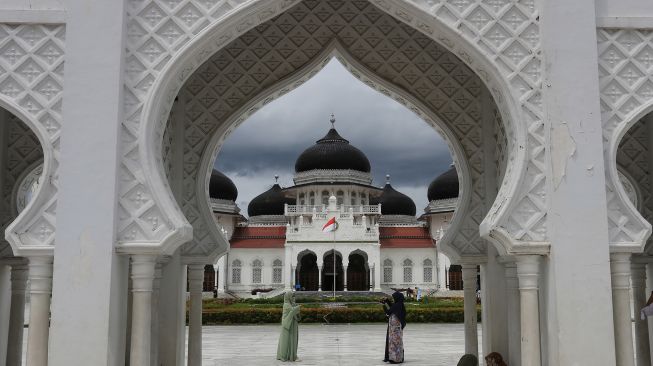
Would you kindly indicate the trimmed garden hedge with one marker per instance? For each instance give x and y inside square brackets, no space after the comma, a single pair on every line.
[330,315]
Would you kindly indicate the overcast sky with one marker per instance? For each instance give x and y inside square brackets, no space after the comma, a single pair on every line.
[395,140]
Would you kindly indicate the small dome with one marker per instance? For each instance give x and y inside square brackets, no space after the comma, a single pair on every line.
[444,186]
[221,187]
[394,202]
[270,202]
[332,152]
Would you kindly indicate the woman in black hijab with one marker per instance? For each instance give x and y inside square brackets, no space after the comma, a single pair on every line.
[394,338]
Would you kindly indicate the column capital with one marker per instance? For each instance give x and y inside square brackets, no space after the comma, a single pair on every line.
[142,272]
[528,271]
[40,274]
[19,274]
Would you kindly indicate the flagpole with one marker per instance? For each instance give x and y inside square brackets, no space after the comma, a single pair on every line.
[334,264]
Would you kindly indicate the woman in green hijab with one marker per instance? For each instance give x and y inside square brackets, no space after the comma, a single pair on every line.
[287,349]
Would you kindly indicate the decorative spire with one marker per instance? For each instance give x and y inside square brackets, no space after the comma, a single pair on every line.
[387,179]
[276,178]
[332,120]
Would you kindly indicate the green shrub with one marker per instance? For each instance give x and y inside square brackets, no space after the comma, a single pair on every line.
[262,315]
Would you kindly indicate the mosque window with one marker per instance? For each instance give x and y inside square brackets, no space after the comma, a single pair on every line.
[311,198]
[387,271]
[353,198]
[428,270]
[302,199]
[325,197]
[277,270]
[257,271]
[340,197]
[408,271]
[363,197]
[235,271]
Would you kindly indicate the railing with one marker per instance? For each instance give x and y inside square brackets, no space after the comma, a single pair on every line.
[296,210]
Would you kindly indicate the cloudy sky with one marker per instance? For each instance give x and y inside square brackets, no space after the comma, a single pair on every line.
[395,140]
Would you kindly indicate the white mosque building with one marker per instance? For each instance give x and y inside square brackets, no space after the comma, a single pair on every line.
[379,243]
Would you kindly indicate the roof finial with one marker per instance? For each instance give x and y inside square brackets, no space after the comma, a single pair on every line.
[333,120]
[387,179]
[276,178]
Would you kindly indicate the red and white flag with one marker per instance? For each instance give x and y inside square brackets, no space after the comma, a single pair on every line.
[330,226]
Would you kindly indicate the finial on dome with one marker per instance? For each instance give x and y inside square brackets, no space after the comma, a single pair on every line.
[387,179]
[332,120]
[276,178]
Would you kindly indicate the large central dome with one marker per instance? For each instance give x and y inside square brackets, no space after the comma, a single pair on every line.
[332,152]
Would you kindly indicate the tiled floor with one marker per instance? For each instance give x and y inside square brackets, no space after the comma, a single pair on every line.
[357,344]
[332,345]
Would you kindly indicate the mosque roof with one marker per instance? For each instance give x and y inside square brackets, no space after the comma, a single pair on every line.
[394,202]
[444,186]
[332,152]
[258,237]
[405,237]
[270,202]
[221,187]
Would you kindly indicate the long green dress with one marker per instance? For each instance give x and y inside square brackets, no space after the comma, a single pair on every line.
[287,349]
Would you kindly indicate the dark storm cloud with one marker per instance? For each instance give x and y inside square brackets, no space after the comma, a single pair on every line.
[395,140]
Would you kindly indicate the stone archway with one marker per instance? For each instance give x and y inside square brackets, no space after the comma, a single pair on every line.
[308,272]
[193,53]
[358,272]
[332,272]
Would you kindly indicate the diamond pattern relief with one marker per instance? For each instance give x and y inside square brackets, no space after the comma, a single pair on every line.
[400,56]
[31,76]
[625,59]
[493,25]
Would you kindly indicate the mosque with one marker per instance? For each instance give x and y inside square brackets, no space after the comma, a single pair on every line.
[379,244]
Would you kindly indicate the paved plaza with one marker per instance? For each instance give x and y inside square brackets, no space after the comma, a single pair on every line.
[332,345]
[342,344]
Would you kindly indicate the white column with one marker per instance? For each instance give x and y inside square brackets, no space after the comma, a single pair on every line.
[623,335]
[293,276]
[17,314]
[469,287]
[319,278]
[40,290]
[638,280]
[528,273]
[287,269]
[377,269]
[195,279]
[142,274]
[649,290]
[344,271]
[512,309]
[156,296]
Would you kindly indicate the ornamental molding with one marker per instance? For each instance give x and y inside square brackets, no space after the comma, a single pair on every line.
[625,63]
[332,175]
[31,85]
[169,40]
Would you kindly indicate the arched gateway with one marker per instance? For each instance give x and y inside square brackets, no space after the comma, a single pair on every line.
[153,87]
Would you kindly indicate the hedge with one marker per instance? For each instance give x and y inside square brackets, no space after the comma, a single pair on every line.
[330,315]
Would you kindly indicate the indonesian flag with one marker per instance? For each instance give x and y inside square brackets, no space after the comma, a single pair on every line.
[330,226]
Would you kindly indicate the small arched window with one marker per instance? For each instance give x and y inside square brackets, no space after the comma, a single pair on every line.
[257,271]
[302,199]
[311,199]
[387,271]
[428,270]
[340,197]
[277,271]
[235,271]
[353,198]
[325,197]
[363,199]
[408,271]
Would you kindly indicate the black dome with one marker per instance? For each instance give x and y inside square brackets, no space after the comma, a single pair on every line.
[270,202]
[444,186]
[394,202]
[332,152]
[221,187]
